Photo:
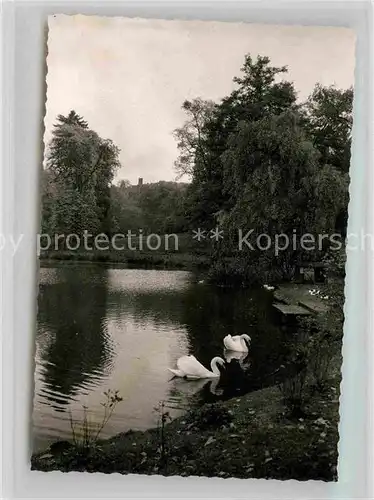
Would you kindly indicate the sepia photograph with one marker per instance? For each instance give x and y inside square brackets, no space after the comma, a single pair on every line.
[194,201]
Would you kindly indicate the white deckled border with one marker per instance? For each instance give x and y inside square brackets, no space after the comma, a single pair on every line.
[23,97]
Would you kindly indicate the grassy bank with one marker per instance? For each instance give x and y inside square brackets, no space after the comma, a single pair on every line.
[173,260]
[179,252]
[247,437]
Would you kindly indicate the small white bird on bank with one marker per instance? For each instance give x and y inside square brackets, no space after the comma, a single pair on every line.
[201,282]
[189,367]
[269,288]
[237,343]
[315,292]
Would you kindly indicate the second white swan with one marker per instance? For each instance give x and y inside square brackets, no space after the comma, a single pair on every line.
[189,367]
[237,343]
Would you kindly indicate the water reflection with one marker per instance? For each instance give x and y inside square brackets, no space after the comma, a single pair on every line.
[74,340]
[185,391]
[104,328]
[241,357]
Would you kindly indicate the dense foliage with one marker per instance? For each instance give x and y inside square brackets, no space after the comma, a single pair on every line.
[258,160]
[261,161]
[78,193]
[153,208]
[80,168]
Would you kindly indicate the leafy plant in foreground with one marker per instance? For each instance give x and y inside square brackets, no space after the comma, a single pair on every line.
[164,417]
[88,435]
[294,396]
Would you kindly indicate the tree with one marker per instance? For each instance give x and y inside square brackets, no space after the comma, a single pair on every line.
[82,166]
[328,122]
[273,174]
[257,95]
[328,114]
[190,137]
[263,162]
[48,194]
[153,208]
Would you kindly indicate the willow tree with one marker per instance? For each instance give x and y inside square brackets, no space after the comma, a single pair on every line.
[203,139]
[273,175]
[268,163]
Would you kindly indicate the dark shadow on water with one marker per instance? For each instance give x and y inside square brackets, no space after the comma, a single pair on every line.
[211,313]
[70,314]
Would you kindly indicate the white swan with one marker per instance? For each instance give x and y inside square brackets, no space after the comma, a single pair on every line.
[237,343]
[189,367]
[269,288]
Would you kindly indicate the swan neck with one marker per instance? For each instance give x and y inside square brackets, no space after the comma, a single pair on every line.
[244,339]
[214,366]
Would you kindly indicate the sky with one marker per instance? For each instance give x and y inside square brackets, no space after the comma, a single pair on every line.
[129,77]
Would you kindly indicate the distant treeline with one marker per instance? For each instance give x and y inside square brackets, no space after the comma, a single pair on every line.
[258,159]
[78,192]
[154,208]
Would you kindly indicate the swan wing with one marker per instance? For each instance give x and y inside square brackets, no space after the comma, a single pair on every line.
[230,342]
[237,340]
[227,341]
[192,367]
[233,343]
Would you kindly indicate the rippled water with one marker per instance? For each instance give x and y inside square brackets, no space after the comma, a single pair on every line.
[121,329]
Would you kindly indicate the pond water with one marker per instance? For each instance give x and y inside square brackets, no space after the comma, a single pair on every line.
[120,329]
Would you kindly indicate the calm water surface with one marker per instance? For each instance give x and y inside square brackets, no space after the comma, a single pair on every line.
[102,329]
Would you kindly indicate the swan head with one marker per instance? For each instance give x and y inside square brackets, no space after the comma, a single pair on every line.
[246,337]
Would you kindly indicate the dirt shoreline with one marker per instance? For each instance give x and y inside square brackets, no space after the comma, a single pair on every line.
[245,437]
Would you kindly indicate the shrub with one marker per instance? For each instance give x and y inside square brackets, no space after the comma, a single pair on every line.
[88,435]
[294,394]
[233,273]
